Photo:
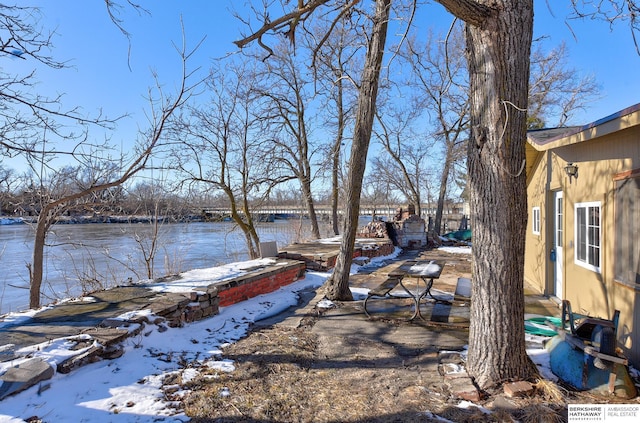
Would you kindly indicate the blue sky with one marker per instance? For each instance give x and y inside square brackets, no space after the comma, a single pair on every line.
[100,76]
[595,48]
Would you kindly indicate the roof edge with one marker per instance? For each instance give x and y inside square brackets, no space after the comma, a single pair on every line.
[574,130]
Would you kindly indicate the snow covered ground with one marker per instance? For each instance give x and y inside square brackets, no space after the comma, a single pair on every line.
[130,388]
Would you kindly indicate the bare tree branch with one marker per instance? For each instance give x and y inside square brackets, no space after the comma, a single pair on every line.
[471,11]
[290,20]
[24,114]
[611,11]
[113,9]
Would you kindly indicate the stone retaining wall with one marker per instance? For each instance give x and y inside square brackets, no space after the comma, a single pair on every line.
[181,308]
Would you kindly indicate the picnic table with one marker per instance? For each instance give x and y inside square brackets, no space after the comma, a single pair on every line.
[425,271]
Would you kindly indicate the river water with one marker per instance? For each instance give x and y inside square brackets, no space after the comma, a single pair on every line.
[85,257]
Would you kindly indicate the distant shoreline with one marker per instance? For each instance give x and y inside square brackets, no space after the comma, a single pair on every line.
[66,220]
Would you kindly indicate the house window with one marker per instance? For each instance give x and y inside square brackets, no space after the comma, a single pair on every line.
[559,221]
[587,250]
[627,226]
[536,221]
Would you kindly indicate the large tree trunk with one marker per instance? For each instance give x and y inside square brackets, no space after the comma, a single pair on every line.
[498,55]
[337,286]
[305,184]
[444,180]
[335,190]
[335,159]
[251,237]
[37,271]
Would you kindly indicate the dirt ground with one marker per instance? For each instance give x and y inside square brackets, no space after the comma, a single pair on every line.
[351,372]
[282,375]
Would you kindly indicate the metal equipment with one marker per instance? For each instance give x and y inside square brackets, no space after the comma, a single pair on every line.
[584,354]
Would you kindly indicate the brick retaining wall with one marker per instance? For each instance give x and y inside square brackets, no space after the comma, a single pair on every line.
[181,308]
[382,249]
[322,257]
[268,280]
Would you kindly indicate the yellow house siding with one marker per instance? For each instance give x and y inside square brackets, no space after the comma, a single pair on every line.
[535,256]
[601,153]
[627,300]
[590,292]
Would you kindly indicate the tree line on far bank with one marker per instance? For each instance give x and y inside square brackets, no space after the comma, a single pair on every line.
[19,197]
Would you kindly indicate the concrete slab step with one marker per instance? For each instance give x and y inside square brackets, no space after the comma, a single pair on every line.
[24,375]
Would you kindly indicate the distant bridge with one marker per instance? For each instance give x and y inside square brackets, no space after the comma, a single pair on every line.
[365,209]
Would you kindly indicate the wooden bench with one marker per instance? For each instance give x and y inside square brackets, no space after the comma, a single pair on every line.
[382,291]
[463,290]
[385,287]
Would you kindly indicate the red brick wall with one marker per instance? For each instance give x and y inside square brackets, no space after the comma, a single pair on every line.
[241,290]
[382,250]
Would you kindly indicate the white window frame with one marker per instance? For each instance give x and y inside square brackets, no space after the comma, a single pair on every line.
[535,220]
[590,241]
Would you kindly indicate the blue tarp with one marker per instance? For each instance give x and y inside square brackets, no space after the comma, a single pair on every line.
[538,326]
[463,235]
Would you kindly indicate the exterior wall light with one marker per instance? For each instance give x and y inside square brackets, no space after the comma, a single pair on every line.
[571,170]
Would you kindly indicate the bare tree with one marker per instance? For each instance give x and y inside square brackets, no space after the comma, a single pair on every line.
[149,244]
[103,175]
[25,114]
[222,146]
[404,160]
[378,191]
[439,78]
[142,198]
[8,184]
[556,92]
[412,180]
[152,200]
[612,12]
[337,285]
[287,93]
[498,93]
[334,61]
